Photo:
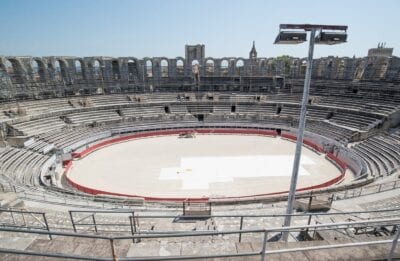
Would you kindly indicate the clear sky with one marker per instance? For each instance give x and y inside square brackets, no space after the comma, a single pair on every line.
[162,27]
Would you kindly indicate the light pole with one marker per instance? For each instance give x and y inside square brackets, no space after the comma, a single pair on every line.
[335,35]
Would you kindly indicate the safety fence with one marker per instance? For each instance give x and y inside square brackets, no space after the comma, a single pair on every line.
[267,236]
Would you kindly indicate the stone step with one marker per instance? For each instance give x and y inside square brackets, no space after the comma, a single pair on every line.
[10,200]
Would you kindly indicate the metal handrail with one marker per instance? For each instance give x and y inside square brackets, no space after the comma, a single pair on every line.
[263,252]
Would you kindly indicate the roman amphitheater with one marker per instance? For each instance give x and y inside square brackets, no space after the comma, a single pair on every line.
[158,158]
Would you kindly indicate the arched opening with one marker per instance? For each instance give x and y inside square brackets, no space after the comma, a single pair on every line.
[180,67]
[195,67]
[9,67]
[210,67]
[115,70]
[58,71]
[149,68]
[164,68]
[239,63]
[239,66]
[14,70]
[262,63]
[97,73]
[132,70]
[79,70]
[61,70]
[224,67]
[37,68]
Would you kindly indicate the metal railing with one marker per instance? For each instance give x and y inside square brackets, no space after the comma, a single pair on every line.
[24,219]
[89,220]
[367,190]
[78,199]
[262,253]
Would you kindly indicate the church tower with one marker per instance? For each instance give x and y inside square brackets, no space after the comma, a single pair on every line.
[253,52]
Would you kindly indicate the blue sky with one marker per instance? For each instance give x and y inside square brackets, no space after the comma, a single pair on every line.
[163,27]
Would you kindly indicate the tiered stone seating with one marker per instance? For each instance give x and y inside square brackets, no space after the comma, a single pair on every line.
[381,152]
[143,111]
[178,109]
[72,138]
[39,146]
[42,106]
[355,121]
[264,109]
[356,104]
[35,127]
[222,109]
[134,126]
[22,166]
[329,130]
[115,99]
[89,117]
[161,98]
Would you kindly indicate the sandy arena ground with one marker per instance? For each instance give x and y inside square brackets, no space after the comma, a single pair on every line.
[207,165]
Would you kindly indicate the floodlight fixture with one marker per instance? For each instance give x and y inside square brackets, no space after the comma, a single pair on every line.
[291,37]
[331,38]
[295,34]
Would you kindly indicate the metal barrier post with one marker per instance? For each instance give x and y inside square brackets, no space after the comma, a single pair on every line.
[114,256]
[131,225]
[72,220]
[308,222]
[264,246]
[47,225]
[94,222]
[23,219]
[12,216]
[394,244]
[241,226]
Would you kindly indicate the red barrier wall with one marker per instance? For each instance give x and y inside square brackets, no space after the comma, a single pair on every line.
[305,141]
[171,132]
[340,163]
[205,131]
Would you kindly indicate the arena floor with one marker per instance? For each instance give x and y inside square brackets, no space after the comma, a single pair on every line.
[204,166]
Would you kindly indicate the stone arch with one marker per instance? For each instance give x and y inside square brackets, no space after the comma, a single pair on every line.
[116,74]
[79,69]
[14,69]
[209,66]
[164,65]
[180,66]
[96,68]
[196,67]
[38,70]
[224,63]
[239,65]
[60,67]
[224,66]
[340,68]
[148,68]
[262,63]
[132,69]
